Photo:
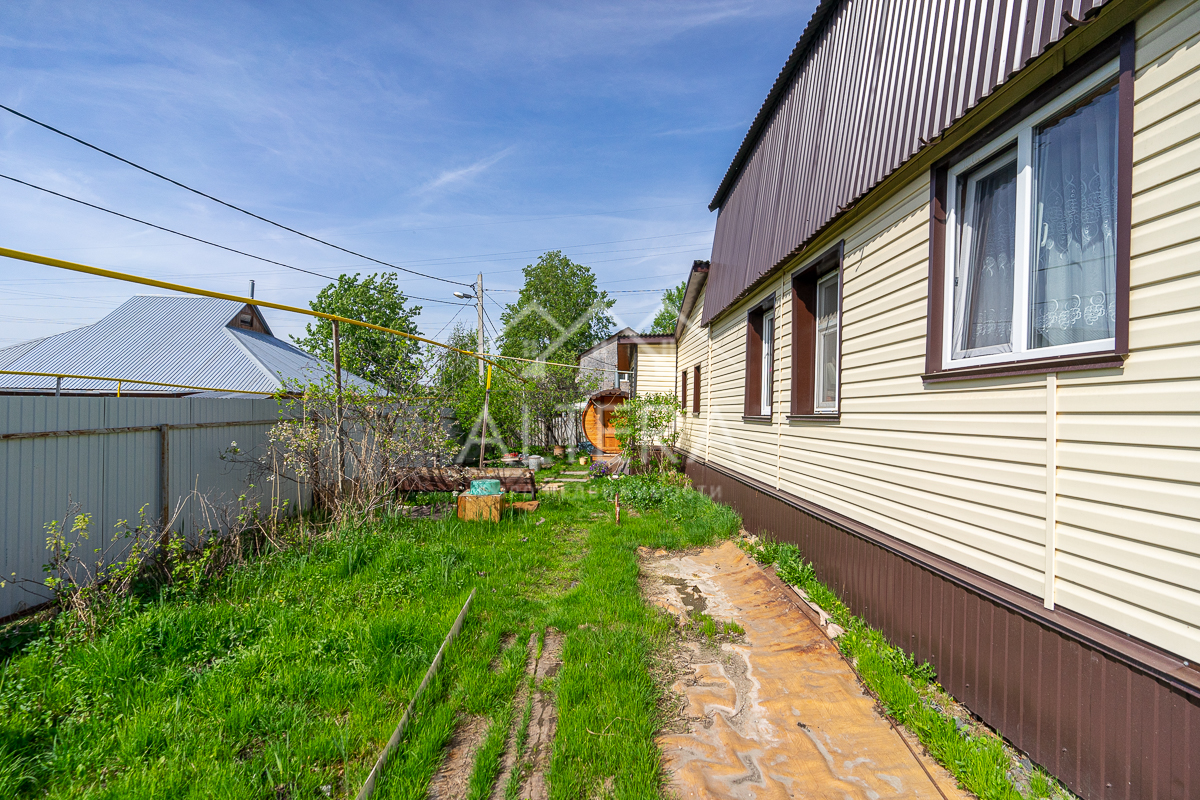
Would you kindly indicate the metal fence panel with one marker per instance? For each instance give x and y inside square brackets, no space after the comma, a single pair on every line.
[112,475]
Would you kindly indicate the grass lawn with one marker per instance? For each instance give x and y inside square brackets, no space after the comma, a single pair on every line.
[285,676]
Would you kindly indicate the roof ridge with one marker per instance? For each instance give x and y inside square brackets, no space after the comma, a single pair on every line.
[232,333]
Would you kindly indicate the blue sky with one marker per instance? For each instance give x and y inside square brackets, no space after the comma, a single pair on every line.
[452,138]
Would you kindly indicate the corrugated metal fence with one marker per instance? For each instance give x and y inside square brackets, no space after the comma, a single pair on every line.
[113,456]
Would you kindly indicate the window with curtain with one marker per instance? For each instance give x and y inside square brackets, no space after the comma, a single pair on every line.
[760,359]
[1075,239]
[827,343]
[768,363]
[1032,254]
[816,336]
[984,280]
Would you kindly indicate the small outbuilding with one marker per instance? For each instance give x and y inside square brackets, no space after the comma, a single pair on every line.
[629,364]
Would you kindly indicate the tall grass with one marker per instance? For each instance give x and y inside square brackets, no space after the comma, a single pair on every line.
[287,672]
[285,676]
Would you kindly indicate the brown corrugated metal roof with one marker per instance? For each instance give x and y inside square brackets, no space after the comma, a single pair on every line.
[695,284]
[868,85]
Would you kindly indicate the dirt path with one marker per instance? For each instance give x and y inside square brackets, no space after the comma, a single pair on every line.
[776,713]
[543,721]
[454,776]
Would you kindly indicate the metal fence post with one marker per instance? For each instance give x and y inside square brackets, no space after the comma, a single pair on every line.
[164,472]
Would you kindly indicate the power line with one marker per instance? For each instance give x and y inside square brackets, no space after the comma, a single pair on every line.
[529,219]
[433,261]
[610,291]
[451,322]
[195,238]
[495,333]
[176,287]
[448,261]
[239,209]
[160,227]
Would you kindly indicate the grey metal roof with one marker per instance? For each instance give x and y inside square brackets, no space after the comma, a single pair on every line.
[177,340]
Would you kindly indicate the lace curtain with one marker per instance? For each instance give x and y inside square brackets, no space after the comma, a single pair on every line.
[983,301]
[1074,277]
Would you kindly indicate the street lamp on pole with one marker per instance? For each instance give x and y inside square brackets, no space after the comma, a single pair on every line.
[478,298]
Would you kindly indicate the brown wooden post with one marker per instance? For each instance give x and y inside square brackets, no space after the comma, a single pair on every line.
[487,391]
[337,379]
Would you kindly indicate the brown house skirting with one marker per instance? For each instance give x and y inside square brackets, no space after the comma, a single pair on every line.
[1108,715]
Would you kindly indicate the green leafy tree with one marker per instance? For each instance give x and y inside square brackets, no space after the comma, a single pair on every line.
[560,313]
[672,302]
[520,408]
[645,427]
[456,371]
[383,358]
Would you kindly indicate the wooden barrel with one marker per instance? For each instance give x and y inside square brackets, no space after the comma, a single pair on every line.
[596,423]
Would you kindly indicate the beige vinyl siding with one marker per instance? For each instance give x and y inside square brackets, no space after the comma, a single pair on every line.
[958,471]
[692,350]
[1129,443]
[656,369]
[960,468]
[748,447]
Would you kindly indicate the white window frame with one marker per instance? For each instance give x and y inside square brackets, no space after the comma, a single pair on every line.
[1019,136]
[767,387]
[819,407]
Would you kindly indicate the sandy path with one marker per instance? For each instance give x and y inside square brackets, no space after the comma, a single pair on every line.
[778,714]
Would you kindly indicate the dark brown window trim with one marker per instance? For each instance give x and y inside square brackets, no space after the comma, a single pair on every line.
[1122,45]
[696,389]
[804,331]
[814,417]
[1107,360]
[756,418]
[1142,656]
[752,377]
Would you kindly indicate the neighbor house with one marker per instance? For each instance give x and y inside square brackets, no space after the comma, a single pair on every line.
[191,344]
[949,344]
[626,364]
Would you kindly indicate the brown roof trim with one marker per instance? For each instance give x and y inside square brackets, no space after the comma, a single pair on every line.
[695,284]
[782,83]
[640,338]
[615,337]
[603,393]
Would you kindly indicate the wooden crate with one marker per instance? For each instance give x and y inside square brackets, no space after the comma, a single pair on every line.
[481,507]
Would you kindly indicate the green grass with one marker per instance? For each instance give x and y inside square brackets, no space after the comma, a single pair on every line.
[287,675]
[904,688]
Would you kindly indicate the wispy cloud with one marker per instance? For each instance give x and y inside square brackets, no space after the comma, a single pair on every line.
[465,174]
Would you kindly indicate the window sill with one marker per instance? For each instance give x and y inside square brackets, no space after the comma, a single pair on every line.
[1028,367]
[756,418]
[830,417]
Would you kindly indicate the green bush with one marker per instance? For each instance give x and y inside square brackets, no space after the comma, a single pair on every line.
[671,494]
